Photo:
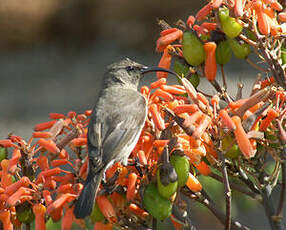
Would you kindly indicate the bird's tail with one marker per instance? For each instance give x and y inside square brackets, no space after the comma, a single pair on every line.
[85,202]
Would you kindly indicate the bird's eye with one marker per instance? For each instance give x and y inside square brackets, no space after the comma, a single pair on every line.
[130,68]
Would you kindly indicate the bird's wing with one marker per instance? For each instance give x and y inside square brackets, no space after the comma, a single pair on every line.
[115,131]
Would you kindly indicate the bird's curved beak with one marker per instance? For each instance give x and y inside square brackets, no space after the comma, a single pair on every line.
[146,69]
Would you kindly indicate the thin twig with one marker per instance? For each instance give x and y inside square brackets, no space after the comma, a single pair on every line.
[239,91]
[205,200]
[227,191]
[223,77]
[244,178]
[276,68]
[268,204]
[221,90]
[237,187]
[250,42]
[254,65]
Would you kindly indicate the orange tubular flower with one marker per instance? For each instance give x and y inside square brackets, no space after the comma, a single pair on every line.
[216,3]
[118,200]
[42,135]
[226,119]
[44,125]
[57,214]
[215,103]
[209,26]
[210,63]
[88,112]
[236,104]
[65,188]
[6,143]
[165,62]
[282,16]
[158,83]
[156,116]
[81,117]
[199,151]
[49,145]
[106,208]
[6,221]
[270,12]
[138,211]
[39,212]
[56,115]
[203,99]
[204,12]
[58,203]
[145,91]
[172,89]
[142,157]
[77,142]
[167,31]
[13,162]
[6,177]
[242,140]
[187,108]
[271,115]
[168,37]
[263,24]
[239,8]
[131,187]
[267,82]
[193,184]
[59,162]
[191,91]
[15,198]
[47,196]
[83,170]
[199,29]
[276,6]
[48,173]
[68,219]
[67,178]
[23,182]
[193,118]
[71,114]
[203,168]
[203,125]
[160,143]
[43,163]
[110,171]
[50,183]
[191,20]
[163,94]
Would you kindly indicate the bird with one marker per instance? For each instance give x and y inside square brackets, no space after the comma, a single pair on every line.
[115,126]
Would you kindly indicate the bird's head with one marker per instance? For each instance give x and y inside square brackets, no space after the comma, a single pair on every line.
[128,72]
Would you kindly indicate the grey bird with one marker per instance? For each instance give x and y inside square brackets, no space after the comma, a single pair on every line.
[115,126]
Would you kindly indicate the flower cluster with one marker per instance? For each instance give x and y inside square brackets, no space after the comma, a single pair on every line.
[187,133]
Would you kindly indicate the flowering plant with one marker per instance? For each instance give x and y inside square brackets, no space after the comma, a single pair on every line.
[187,133]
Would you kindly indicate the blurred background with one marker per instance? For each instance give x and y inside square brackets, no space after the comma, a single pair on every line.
[53,55]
